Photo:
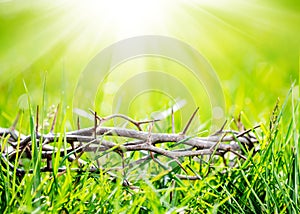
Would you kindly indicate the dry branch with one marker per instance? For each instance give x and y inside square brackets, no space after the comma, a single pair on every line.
[103,140]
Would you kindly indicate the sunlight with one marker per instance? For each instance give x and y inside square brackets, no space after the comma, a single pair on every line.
[127,17]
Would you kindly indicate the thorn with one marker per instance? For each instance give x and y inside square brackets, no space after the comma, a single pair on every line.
[177,161]
[78,123]
[223,126]
[221,129]
[224,159]
[97,117]
[149,133]
[138,124]
[152,156]
[95,124]
[123,166]
[239,123]
[247,131]
[149,138]
[148,121]
[139,127]
[13,127]
[172,191]
[238,154]
[173,121]
[214,147]
[54,119]
[189,122]
[37,119]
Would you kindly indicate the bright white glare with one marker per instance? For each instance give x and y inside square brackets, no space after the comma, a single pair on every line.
[125,17]
[215,3]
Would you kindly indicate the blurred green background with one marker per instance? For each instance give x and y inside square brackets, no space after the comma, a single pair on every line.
[253,47]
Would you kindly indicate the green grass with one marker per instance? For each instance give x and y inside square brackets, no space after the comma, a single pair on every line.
[266,182]
[254,50]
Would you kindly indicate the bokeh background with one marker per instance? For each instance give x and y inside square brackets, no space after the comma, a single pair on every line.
[253,47]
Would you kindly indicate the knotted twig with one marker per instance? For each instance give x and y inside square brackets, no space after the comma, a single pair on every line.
[94,139]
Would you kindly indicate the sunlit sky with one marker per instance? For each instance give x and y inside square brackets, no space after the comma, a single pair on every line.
[246,42]
[88,26]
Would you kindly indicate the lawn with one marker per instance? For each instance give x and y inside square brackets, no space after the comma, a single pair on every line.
[66,66]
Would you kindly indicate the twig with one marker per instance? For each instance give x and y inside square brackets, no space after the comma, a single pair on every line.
[189,121]
[173,121]
[247,131]
[54,119]
[103,140]
[134,122]
[78,123]
[13,127]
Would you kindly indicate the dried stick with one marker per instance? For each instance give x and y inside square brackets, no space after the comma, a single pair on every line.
[189,122]
[103,140]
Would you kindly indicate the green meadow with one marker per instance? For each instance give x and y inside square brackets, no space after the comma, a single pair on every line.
[252,50]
